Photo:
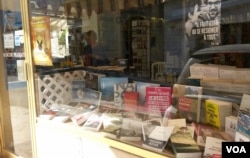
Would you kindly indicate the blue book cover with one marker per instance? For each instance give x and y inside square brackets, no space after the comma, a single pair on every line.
[141,89]
[107,86]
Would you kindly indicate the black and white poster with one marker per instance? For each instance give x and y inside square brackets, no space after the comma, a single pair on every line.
[203,23]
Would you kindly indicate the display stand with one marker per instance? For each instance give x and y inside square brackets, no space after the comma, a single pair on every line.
[72,137]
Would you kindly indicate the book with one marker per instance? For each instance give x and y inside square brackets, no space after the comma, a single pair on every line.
[181,122]
[213,147]
[48,114]
[130,129]
[244,116]
[130,101]
[90,96]
[94,122]
[141,89]
[158,98]
[92,80]
[77,89]
[155,137]
[111,124]
[107,86]
[63,112]
[199,128]
[82,111]
[216,111]
[188,101]
[216,134]
[119,90]
[239,137]
[230,125]
[183,144]
[79,119]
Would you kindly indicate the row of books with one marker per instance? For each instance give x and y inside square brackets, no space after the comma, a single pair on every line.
[124,94]
[222,72]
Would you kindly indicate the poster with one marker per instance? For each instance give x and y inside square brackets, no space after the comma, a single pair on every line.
[8,41]
[41,42]
[203,22]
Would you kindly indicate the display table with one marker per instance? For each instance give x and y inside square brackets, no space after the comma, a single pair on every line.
[63,139]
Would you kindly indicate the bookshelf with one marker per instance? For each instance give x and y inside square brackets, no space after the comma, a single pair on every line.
[140,47]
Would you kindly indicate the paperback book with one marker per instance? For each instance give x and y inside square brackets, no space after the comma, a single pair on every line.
[130,101]
[155,137]
[131,129]
[141,89]
[183,144]
[111,124]
[92,80]
[107,86]
[77,88]
[158,98]
[94,122]
[244,116]
[188,101]
[217,111]
[119,90]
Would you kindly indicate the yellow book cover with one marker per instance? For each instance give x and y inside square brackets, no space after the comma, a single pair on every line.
[216,111]
[41,42]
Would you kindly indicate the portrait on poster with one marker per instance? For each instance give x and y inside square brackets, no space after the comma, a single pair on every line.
[41,42]
[203,21]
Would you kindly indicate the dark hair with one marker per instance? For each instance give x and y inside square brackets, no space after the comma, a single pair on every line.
[92,34]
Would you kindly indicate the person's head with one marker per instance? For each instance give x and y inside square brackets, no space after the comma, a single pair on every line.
[214,7]
[91,37]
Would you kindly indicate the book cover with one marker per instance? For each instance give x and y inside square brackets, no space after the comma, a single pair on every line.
[130,101]
[158,98]
[89,96]
[64,112]
[141,89]
[244,116]
[94,122]
[213,147]
[119,90]
[80,118]
[181,122]
[92,80]
[77,88]
[107,86]
[216,112]
[239,137]
[230,125]
[216,134]
[111,124]
[131,129]
[188,101]
[155,137]
[199,128]
[183,144]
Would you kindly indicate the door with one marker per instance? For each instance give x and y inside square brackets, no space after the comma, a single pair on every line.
[14,108]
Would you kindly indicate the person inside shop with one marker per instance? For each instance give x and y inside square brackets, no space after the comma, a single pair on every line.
[94,52]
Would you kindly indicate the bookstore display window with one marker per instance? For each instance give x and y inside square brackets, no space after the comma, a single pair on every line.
[139,35]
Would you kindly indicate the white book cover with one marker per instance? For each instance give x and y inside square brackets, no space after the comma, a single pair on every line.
[119,90]
[239,137]
[94,122]
[231,125]
[176,122]
[213,146]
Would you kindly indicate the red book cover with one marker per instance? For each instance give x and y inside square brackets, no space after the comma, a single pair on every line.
[130,100]
[158,99]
